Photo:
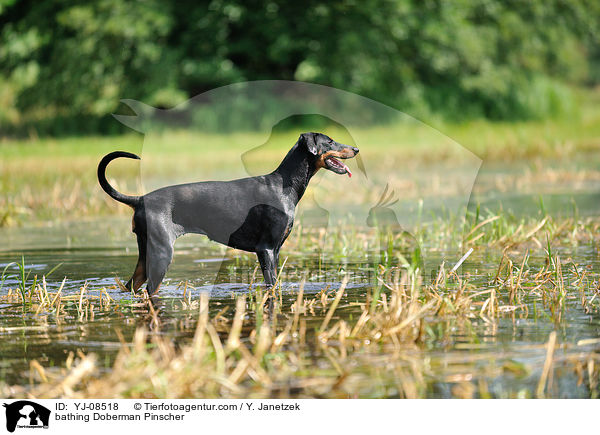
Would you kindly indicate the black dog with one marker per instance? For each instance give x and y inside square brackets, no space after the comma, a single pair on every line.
[254,214]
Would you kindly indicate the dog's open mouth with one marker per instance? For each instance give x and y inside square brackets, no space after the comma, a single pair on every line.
[336,166]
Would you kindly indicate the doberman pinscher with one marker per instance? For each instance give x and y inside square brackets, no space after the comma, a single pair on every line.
[253,214]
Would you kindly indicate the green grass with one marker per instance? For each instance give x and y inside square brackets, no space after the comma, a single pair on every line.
[53,179]
[49,179]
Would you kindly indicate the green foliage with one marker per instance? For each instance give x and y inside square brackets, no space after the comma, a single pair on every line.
[64,65]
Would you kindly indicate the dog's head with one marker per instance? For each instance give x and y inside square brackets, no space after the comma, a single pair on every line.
[327,152]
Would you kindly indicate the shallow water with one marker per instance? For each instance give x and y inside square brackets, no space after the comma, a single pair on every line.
[94,253]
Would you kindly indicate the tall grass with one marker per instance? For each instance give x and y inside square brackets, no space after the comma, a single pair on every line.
[309,346]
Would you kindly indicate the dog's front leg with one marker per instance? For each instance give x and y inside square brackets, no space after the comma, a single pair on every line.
[268,259]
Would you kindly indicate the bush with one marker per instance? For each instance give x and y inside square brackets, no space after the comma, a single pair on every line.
[65,60]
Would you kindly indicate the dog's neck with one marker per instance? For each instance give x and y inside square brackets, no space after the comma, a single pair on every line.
[296,170]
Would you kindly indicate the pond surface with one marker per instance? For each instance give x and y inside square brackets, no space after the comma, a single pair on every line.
[94,253]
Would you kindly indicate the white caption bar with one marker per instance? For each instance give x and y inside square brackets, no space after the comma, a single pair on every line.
[301,416]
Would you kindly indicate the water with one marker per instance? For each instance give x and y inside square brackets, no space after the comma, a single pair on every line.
[506,353]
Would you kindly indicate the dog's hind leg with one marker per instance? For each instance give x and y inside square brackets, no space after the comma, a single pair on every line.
[139,274]
[158,260]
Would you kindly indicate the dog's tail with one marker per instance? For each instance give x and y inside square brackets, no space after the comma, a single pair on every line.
[125,199]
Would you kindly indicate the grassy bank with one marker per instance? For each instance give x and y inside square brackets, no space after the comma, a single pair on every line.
[51,179]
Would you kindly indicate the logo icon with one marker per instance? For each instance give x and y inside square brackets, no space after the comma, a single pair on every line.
[26,414]
[271,108]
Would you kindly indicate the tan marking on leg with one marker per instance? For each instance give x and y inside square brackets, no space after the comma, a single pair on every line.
[139,276]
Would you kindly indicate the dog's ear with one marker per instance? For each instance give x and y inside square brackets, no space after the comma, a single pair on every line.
[308,140]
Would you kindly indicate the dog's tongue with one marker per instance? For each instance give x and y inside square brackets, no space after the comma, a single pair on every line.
[342,165]
[346,168]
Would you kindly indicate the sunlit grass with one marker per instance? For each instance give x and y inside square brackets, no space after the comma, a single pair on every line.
[54,179]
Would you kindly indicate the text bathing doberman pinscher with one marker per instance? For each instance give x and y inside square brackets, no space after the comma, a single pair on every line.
[253,214]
